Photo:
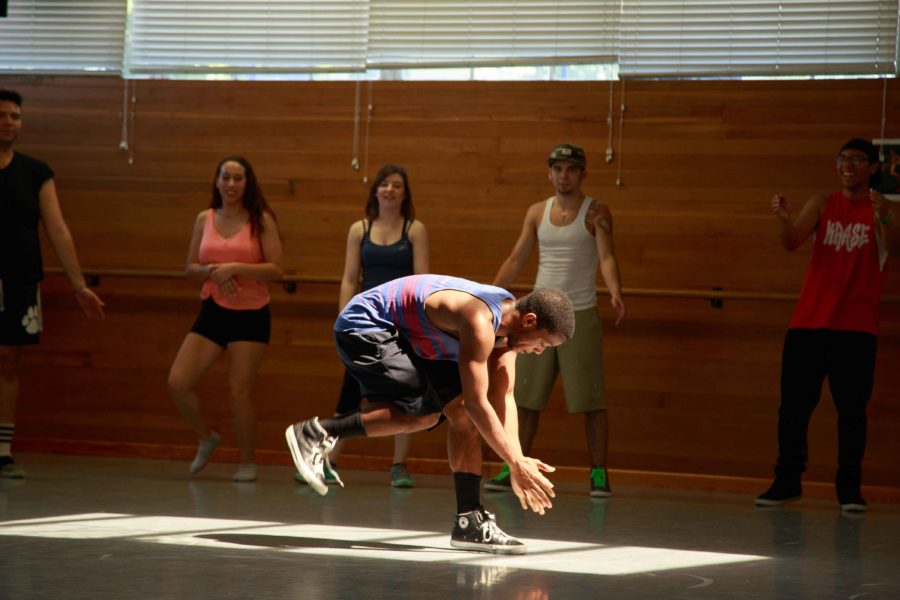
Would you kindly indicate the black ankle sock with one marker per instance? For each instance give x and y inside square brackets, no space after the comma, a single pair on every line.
[468,491]
[344,427]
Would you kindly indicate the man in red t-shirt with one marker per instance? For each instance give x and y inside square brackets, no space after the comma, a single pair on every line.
[834,330]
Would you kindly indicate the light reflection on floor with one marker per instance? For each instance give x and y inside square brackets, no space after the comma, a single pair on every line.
[361,542]
[92,528]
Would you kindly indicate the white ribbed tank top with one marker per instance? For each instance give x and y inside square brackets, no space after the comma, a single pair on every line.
[568,257]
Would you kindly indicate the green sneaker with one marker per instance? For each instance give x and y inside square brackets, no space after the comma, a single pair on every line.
[400,477]
[501,482]
[330,475]
[600,483]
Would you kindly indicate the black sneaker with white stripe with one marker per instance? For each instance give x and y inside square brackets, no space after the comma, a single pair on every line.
[478,530]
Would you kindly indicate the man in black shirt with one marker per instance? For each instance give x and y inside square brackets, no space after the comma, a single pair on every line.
[27,197]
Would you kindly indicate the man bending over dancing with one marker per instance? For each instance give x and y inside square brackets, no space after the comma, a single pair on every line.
[431,346]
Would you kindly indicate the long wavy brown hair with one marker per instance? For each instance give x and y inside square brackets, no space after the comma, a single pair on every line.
[253,199]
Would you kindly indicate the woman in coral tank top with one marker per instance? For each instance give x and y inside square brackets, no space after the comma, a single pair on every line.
[235,249]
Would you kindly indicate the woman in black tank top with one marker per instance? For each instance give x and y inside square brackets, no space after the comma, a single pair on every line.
[384,262]
[389,243]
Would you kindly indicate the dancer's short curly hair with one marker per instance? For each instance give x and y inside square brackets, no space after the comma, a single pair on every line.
[553,309]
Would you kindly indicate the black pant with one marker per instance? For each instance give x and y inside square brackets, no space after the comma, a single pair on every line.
[847,359]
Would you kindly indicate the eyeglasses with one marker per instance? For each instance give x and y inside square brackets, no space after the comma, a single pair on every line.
[853,160]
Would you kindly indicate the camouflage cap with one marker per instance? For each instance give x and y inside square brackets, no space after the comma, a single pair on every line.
[569,152]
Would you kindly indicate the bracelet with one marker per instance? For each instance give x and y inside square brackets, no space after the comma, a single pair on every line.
[887,219]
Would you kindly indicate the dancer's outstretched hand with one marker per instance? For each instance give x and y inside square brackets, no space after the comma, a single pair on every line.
[530,485]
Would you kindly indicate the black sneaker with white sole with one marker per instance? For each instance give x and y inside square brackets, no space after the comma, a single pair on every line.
[9,469]
[478,530]
[782,490]
[850,497]
[853,504]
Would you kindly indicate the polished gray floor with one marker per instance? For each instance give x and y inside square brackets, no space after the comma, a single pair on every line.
[103,528]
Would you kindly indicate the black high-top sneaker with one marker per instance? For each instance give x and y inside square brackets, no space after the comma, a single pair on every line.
[478,530]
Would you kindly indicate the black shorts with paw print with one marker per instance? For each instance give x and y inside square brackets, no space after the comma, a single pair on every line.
[21,322]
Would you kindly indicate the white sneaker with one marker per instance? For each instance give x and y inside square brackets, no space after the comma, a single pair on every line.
[309,445]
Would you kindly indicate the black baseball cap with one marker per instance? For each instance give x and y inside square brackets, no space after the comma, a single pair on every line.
[864,146]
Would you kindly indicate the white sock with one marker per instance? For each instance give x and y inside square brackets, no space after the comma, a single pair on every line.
[204,449]
[6,436]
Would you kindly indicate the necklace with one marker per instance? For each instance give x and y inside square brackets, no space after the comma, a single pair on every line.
[562,212]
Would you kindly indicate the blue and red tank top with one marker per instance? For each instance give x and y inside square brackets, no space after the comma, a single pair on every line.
[399,305]
[846,274]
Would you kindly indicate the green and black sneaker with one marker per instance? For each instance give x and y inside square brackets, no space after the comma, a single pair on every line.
[600,483]
[501,482]
[400,477]
[330,471]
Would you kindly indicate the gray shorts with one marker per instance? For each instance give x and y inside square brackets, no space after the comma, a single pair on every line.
[388,370]
[579,361]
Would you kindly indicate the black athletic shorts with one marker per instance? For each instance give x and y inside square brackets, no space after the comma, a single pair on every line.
[387,369]
[224,325]
[21,322]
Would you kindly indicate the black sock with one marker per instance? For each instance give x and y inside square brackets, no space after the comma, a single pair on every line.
[344,427]
[468,491]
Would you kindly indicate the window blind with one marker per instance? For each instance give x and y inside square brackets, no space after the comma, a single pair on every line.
[62,35]
[408,33]
[647,38]
[232,36]
[672,38]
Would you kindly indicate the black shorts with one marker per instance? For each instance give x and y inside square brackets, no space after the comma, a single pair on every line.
[388,370]
[350,397]
[224,325]
[21,322]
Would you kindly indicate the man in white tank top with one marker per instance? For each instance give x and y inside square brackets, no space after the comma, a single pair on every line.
[574,235]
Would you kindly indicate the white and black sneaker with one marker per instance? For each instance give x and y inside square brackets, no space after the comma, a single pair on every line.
[310,445]
[478,530]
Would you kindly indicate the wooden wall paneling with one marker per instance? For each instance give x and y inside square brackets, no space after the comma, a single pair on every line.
[690,388]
